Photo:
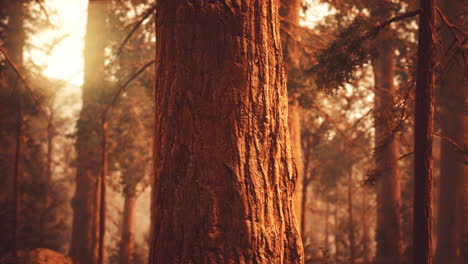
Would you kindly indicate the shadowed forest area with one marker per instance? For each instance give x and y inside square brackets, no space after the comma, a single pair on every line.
[233,131]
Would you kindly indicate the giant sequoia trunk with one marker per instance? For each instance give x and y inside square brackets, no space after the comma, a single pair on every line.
[10,128]
[289,13]
[223,163]
[84,244]
[423,129]
[452,98]
[386,155]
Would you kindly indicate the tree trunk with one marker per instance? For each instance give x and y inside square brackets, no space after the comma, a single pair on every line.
[464,214]
[327,236]
[84,245]
[223,162]
[300,194]
[423,129]
[388,233]
[11,129]
[304,188]
[102,192]
[452,95]
[352,244]
[127,245]
[365,228]
[289,13]
[336,234]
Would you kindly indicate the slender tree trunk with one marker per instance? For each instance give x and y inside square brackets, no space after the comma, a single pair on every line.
[452,104]
[352,243]
[50,145]
[365,228]
[336,234]
[102,191]
[17,179]
[304,188]
[327,235]
[224,173]
[388,234]
[127,245]
[423,129]
[289,13]
[85,234]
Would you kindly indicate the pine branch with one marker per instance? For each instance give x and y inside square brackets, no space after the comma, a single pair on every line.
[125,84]
[146,14]
[23,79]
[452,142]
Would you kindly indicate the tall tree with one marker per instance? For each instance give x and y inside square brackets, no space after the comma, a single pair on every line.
[289,14]
[223,163]
[388,233]
[423,129]
[84,244]
[132,138]
[452,105]
[11,123]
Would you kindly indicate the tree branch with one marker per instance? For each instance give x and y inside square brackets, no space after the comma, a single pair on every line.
[125,84]
[23,79]
[146,14]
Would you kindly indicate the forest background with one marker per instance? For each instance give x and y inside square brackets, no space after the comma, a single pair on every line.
[78,106]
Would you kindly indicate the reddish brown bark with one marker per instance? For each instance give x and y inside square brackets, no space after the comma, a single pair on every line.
[223,163]
[388,233]
[423,129]
[336,235]
[366,227]
[452,96]
[11,129]
[127,245]
[352,242]
[85,232]
[289,13]
[299,197]
[326,242]
[102,192]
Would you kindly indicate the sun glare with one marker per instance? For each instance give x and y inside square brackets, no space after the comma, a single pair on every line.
[60,50]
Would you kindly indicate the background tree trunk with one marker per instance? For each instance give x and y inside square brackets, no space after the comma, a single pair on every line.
[223,162]
[423,129]
[11,129]
[127,245]
[388,233]
[352,243]
[85,232]
[289,13]
[326,242]
[452,104]
[366,227]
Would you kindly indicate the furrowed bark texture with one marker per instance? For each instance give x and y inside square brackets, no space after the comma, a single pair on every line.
[223,163]
[289,13]
[423,129]
[452,96]
[388,233]
[84,244]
